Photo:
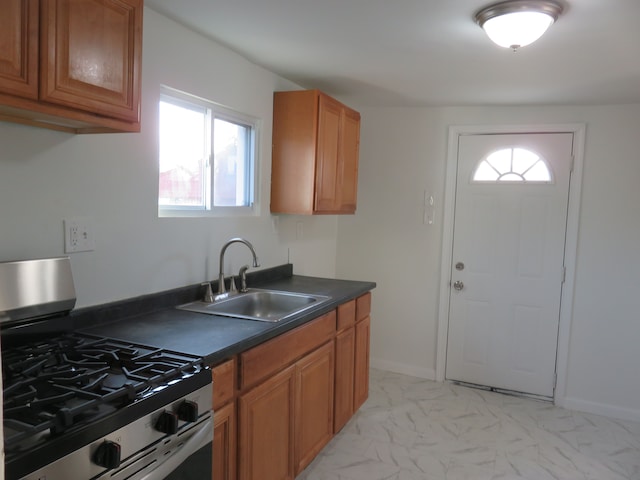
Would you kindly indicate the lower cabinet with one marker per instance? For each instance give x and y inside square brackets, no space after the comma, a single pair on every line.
[363,334]
[285,421]
[352,358]
[265,448]
[278,404]
[361,371]
[313,416]
[345,368]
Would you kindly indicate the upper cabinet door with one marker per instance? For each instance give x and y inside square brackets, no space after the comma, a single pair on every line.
[327,155]
[19,48]
[350,145]
[91,56]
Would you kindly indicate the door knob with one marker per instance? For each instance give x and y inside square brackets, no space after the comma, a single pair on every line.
[458,285]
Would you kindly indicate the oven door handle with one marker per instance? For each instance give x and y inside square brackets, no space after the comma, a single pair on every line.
[197,441]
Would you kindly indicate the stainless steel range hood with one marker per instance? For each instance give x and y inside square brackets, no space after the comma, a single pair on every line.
[32,289]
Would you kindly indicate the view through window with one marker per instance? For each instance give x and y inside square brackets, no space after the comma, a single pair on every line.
[512,165]
[206,156]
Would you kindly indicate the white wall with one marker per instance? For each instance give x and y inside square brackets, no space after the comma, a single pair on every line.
[46,176]
[403,152]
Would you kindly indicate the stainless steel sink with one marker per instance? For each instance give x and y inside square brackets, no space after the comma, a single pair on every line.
[258,304]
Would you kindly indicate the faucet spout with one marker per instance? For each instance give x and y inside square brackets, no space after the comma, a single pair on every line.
[221,287]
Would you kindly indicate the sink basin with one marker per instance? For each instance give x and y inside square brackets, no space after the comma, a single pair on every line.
[258,304]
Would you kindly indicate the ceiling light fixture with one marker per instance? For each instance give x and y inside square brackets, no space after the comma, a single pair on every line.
[517,23]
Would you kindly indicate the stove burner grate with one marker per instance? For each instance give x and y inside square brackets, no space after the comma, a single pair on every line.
[56,384]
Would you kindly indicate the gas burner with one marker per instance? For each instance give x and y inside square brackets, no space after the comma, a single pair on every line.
[53,385]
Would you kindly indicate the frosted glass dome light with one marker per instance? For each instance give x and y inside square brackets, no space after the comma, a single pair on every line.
[517,23]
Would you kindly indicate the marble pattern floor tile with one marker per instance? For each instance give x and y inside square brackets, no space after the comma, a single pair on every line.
[415,429]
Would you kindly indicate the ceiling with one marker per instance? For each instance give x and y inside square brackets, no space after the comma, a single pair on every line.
[427,52]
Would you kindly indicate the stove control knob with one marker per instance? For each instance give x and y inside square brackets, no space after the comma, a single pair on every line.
[107,455]
[167,423]
[188,411]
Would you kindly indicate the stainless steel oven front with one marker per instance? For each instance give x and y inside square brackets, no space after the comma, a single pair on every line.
[138,451]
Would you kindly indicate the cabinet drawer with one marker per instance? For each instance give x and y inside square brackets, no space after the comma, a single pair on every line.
[363,306]
[346,315]
[275,354]
[223,382]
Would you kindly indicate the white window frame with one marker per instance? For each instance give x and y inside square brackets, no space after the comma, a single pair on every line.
[217,111]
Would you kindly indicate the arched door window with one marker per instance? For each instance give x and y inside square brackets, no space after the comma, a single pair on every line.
[513,165]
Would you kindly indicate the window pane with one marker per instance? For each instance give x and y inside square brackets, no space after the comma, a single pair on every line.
[183,154]
[511,177]
[538,173]
[501,160]
[523,160]
[485,173]
[231,163]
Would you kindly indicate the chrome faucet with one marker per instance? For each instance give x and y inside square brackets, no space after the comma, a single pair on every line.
[221,287]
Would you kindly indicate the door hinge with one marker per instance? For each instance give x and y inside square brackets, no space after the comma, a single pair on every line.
[564,274]
[555,380]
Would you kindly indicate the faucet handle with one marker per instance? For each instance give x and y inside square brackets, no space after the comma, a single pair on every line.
[243,278]
[208,294]
[232,285]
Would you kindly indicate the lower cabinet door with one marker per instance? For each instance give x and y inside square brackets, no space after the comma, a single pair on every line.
[361,381]
[314,404]
[266,432]
[224,443]
[345,358]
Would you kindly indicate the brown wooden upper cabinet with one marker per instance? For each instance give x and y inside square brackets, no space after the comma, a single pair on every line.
[71,65]
[315,154]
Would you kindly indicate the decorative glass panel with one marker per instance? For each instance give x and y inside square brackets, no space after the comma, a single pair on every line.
[513,165]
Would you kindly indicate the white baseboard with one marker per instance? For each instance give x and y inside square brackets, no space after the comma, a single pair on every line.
[412,370]
[605,410]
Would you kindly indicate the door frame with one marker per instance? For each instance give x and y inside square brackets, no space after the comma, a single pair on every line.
[571,240]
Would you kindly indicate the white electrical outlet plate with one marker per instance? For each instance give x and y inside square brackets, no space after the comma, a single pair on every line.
[78,235]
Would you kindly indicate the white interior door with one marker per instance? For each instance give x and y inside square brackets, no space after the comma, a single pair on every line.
[508,254]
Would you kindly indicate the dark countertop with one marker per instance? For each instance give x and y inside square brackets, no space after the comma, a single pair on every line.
[216,338]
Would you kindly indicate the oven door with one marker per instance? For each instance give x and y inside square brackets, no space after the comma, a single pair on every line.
[184,456]
[192,461]
[189,458]
[196,467]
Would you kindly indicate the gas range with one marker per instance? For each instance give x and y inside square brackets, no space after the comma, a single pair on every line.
[83,406]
